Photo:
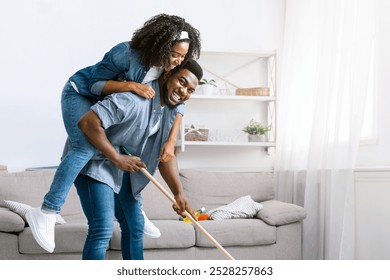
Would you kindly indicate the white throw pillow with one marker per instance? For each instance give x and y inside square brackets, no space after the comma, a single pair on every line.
[21,209]
[241,208]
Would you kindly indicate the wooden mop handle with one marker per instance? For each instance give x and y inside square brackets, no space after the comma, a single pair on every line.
[195,222]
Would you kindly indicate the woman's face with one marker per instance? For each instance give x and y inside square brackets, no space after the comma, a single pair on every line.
[177,54]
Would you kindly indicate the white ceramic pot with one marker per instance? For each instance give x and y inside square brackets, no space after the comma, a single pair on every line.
[257,138]
[208,89]
[263,138]
[253,138]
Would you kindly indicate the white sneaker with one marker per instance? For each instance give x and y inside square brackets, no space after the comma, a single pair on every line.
[149,228]
[42,228]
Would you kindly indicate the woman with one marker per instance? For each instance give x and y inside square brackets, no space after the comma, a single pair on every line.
[161,44]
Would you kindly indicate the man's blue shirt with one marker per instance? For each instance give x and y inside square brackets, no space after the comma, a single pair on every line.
[128,120]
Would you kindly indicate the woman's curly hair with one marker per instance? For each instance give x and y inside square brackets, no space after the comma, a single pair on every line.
[156,38]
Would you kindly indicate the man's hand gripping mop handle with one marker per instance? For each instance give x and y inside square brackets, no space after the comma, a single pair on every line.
[172,199]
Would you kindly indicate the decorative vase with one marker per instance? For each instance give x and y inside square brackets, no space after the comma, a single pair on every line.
[263,138]
[257,138]
[208,89]
[253,138]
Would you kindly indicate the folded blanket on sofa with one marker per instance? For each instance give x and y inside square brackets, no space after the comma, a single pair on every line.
[241,208]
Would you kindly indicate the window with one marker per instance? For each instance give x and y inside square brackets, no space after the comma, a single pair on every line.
[369,129]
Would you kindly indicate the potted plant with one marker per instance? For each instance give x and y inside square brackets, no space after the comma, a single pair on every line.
[208,86]
[256,131]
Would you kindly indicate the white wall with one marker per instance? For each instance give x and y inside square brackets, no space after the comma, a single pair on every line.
[372,192]
[45,41]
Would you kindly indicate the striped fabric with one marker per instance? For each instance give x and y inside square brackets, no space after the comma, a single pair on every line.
[241,208]
[21,209]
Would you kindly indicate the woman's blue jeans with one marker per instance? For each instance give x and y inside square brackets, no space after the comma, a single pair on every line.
[100,204]
[74,105]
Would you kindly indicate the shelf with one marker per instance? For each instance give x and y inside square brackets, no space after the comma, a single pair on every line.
[224,54]
[224,112]
[243,144]
[234,97]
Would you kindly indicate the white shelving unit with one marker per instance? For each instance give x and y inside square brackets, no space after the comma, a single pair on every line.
[224,113]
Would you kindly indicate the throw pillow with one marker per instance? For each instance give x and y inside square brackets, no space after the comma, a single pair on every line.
[21,209]
[277,213]
[243,207]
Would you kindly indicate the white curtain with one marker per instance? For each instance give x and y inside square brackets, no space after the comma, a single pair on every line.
[326,72]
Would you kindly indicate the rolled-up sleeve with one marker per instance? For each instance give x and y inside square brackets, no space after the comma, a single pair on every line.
[113,109]
[180,109]
[114,64]
[97,88]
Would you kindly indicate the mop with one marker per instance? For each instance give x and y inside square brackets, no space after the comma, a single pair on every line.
[172,199]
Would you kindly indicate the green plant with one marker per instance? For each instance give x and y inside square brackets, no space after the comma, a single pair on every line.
[208,82]
[256,128]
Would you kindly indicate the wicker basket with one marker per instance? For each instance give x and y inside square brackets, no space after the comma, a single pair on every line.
[259,91]
[196,134]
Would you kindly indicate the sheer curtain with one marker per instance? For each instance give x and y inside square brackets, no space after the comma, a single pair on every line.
[326,70]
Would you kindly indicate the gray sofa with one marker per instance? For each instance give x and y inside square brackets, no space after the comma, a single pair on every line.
[274,233]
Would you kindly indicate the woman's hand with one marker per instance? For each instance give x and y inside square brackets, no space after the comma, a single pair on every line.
[129,163]
[112,86]
[145,91]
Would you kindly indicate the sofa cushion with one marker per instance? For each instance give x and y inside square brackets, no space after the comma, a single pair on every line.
[174,234]
[213,189]
[10,222]
[279,213]
[69,238]
[236,232]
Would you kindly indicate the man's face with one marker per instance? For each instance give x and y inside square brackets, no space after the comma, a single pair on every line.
[179,87]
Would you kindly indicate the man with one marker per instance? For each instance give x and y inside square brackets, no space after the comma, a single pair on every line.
[141,126]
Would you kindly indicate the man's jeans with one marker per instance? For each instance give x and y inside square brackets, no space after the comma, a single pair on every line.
[81,151]
[129,215]
[97,200]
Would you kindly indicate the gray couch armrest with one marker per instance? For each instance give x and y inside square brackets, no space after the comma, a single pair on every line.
[10,221]
[277,213]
